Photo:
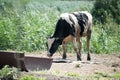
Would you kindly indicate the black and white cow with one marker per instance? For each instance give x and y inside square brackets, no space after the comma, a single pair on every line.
[70,28]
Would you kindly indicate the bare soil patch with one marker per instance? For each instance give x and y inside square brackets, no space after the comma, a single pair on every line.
[100,64]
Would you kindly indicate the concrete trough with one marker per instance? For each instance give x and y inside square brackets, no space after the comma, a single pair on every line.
[37,63]
[24,63]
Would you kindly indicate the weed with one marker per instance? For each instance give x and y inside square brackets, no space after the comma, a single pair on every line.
[102,74]
[117,75]
[28,77]
[71,74]
[77,66]
[57,71]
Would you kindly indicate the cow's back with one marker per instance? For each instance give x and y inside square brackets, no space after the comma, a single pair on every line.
[86,23]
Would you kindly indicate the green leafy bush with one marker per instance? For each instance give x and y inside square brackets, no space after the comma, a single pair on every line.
[106,8]
[106,23]
[8,73]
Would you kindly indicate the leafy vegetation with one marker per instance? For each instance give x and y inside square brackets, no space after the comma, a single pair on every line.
[106,8]
[106,25]
[71,74]
[77,65]
[25,24]
[28,77]
[117,76]
[8,73]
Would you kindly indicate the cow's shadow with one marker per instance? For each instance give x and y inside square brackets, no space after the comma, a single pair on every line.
[60,60]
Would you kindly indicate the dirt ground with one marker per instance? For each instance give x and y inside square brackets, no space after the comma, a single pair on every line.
[101,64]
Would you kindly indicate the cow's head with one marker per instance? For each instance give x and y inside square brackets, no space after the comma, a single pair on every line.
[52,45]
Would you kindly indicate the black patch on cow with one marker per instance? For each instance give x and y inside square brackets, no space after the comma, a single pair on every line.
[82,21]
[63,29]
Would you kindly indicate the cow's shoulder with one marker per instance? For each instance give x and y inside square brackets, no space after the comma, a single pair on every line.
[64,16]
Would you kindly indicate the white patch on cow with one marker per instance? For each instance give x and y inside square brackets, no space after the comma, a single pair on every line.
[75,21]
[76,12]
[66,16]
[50,42]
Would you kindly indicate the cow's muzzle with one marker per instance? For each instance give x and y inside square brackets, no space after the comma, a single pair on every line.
[49,54]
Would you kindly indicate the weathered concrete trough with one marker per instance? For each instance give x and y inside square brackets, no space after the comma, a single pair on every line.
[24,63]
[37,63]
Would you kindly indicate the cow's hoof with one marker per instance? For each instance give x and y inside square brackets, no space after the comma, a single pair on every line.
[64,56]
[88,58]
[49,55]
[79,59]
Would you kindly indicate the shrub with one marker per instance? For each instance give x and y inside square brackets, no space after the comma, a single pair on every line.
[106,8]
[8,73]
[106,25]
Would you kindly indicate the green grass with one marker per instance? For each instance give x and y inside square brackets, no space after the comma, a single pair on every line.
[117,76]
[97,76]
[28,77]
[71,74]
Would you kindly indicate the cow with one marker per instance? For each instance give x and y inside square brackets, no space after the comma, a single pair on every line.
[71,27]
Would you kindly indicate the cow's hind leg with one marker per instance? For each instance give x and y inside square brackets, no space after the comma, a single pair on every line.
[76,50]
[79,48]
[88,45]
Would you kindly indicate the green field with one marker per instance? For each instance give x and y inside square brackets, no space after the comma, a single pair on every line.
[25,24]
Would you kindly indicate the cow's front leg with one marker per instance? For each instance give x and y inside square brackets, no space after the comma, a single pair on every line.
[64,50]
[64,43]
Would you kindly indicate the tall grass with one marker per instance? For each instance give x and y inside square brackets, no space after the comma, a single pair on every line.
[25,24]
